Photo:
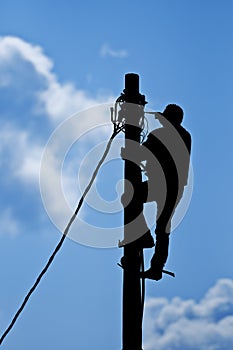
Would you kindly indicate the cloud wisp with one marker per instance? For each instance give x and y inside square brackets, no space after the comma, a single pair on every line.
[107,51]
[188,324]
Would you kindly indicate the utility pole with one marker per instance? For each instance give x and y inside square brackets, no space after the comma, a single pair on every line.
[132,108]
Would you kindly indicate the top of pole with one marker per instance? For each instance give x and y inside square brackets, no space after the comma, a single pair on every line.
[131,92]
[131,83]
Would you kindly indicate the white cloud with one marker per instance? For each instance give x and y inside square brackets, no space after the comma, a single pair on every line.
[58,101]
[107,51]
[8,224]
[19,154]
[11,46]
[188,325]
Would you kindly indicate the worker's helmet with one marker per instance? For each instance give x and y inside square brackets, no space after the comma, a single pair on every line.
[173,114]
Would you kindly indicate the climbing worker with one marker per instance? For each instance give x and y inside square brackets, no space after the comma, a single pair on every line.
[167,154]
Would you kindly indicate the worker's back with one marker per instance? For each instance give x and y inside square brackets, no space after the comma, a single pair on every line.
[169,155]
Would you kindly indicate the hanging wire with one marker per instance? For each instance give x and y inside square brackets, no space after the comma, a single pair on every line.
[117,129]
[142,266]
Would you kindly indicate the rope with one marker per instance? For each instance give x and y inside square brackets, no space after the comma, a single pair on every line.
[59,245]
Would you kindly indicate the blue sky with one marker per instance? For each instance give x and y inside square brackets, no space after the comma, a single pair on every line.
[59,59]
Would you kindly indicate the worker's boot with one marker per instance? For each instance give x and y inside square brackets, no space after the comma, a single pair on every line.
[159,258]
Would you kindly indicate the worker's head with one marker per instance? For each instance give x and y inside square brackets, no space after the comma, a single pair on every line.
[173,113]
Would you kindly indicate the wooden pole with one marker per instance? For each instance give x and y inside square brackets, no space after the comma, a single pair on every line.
[133,105]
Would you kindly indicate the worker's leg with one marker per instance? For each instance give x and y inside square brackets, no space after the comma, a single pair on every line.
[137,232]
[162,231]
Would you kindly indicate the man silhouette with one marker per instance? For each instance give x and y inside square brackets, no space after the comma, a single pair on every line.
[167,155]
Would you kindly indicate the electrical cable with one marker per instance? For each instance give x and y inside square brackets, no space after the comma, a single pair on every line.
[59,245]
[141,255]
